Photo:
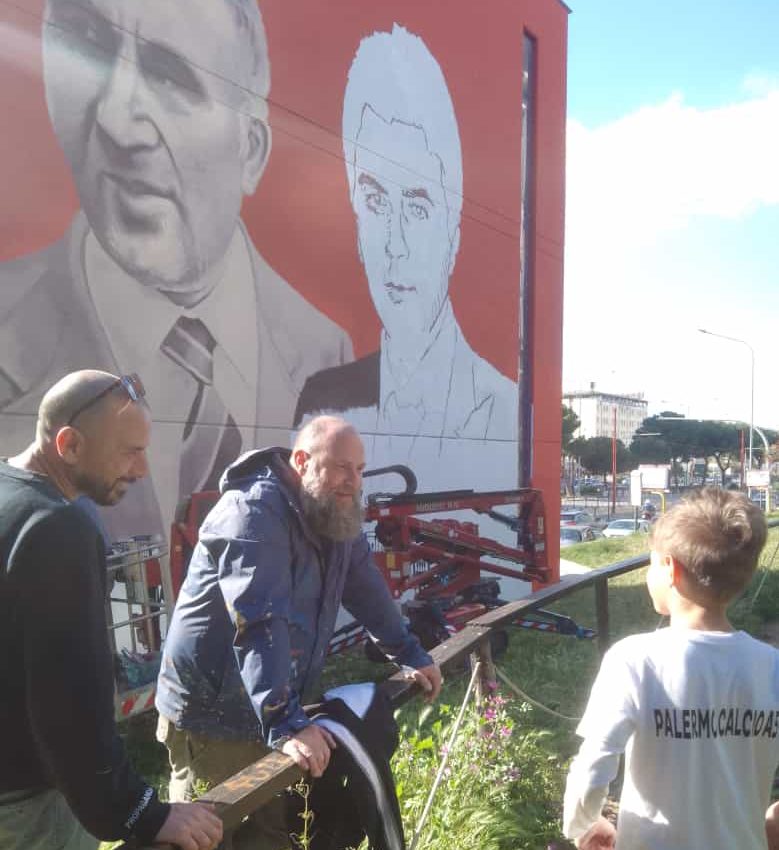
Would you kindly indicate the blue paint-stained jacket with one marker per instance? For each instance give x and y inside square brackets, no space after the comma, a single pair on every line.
[254,618]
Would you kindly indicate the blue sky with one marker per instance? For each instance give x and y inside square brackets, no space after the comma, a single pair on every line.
[623,53]
[673,203]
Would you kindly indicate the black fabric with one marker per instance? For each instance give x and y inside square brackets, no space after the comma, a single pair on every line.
[341,388]
[56,712]
[343,801]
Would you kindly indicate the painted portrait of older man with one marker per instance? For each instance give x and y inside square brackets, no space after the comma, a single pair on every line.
[164,127]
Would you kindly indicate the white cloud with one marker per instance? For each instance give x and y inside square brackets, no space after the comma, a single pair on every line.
[759,85]
[661,164]
[635,293]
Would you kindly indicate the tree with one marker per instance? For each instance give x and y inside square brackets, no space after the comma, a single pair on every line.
[678,434]
[691,438]
[571,423]
[720,440]
[595,455]
[650,450]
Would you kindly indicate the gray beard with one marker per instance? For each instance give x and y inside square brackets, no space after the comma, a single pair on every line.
[328,519]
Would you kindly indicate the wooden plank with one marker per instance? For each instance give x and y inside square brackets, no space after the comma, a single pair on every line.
[253,787]
[244,793]
[506,613]
[461,644]
[447,656]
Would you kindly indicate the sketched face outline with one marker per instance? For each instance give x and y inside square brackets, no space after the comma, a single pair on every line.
[160,157]
[403,223]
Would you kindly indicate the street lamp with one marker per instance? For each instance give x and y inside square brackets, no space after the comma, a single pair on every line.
[752,403]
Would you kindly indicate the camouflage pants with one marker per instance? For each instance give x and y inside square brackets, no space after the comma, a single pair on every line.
[40,820]
[198,760]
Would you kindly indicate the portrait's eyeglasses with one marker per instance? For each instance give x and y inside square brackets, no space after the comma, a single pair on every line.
[132,385]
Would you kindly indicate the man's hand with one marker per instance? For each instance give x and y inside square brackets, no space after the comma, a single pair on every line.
[191,826]
[600,835]
[310,749]
[429,678]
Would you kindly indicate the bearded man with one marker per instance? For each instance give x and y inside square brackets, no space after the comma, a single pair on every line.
[276,557]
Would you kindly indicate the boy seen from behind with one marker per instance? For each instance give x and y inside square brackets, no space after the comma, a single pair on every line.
[694,706]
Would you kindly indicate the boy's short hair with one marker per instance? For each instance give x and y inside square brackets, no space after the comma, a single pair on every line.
[717,536]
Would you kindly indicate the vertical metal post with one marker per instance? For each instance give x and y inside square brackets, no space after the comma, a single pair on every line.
[168,596]
[752,386]
[614,464]
[130,571]
[146,603]
[487,681]
[742,458]
[602,613]
[751,405]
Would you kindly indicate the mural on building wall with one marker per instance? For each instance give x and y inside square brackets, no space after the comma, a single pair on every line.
[165,130]
[231,245]
[425,392]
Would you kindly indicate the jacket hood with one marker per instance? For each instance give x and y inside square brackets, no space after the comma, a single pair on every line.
[254,464]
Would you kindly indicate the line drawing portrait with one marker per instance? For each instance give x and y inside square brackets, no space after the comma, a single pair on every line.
[160,109]
[425,397]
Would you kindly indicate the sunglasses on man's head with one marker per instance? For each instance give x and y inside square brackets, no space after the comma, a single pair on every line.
[132,384]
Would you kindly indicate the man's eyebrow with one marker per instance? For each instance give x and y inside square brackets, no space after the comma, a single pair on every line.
[367,180]
[418,193]
[85,7]
[166,61]
[81,5]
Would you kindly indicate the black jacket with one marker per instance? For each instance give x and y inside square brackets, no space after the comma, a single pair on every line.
[56,712]
[356,796]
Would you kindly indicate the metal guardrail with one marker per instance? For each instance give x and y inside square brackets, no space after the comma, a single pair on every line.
[257,784]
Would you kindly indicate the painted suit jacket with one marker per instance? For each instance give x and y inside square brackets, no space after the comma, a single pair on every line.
[49,326]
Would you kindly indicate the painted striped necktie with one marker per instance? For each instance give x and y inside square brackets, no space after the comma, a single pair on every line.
[211,438]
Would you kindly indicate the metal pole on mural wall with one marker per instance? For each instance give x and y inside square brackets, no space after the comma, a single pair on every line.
[614,464]
[527,265]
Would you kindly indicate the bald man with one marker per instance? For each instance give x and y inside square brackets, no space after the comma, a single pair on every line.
[278,554]
[65,781]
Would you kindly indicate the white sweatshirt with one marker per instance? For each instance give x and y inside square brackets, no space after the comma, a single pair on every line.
[697,715]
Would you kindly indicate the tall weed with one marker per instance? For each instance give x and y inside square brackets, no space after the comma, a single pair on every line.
[498,785]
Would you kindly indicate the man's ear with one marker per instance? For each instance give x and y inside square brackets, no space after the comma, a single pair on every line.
[68,443]
[300,459]
[256,144]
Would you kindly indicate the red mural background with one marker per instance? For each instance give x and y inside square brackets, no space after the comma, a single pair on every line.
[301,219]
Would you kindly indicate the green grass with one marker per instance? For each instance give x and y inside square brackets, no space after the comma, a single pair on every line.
[554,670]
[606,550]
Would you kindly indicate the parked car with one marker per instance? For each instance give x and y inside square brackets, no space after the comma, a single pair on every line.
[625,527]
[575,518]
[571,535]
